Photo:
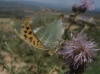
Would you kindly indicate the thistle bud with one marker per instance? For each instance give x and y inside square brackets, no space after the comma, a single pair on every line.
[71,16]
[82,8]
[75,8]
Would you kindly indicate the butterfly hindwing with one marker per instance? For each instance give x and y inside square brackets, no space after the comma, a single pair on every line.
[47,26]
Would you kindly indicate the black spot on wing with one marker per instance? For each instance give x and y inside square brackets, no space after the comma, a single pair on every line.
[25,36]
[27,28]
[31,38]
[30,32]
[34,42]
[25,31]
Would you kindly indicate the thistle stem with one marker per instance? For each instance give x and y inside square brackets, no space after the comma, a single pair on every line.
[66,30]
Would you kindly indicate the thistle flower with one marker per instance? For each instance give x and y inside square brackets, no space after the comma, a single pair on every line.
[78,52]
[84,18]
[89,21]
[88,3]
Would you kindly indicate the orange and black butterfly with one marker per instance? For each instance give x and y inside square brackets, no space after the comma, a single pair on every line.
[42,30]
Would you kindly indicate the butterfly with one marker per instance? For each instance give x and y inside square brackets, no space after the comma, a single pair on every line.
[42,30]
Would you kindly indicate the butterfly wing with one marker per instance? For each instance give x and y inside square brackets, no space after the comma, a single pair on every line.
[23,29]
[47,26]
[42,30]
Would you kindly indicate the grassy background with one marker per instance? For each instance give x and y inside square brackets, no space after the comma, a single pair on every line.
[32,56]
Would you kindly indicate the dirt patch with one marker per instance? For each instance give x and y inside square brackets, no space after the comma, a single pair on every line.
[8,59]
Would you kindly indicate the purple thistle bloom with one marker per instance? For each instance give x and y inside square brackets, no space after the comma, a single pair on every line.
[90,20]
[79,51]
[88,3]
[84,18]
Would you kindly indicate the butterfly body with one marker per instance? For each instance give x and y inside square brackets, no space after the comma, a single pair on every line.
[42,30]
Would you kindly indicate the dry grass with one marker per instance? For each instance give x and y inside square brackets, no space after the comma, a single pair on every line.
[5,24]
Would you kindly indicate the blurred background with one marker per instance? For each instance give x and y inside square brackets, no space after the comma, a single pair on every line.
[22,8]
[25,8]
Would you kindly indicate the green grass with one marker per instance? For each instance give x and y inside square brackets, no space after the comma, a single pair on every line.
[46,63]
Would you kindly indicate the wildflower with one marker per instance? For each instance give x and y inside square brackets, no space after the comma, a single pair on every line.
[84,18]
[78,52]
[88,3]
[89,21]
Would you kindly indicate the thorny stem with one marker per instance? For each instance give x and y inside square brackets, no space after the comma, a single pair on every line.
[66,30]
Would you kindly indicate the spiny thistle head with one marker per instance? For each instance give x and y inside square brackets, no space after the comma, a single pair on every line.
[78,52]
[89,4]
